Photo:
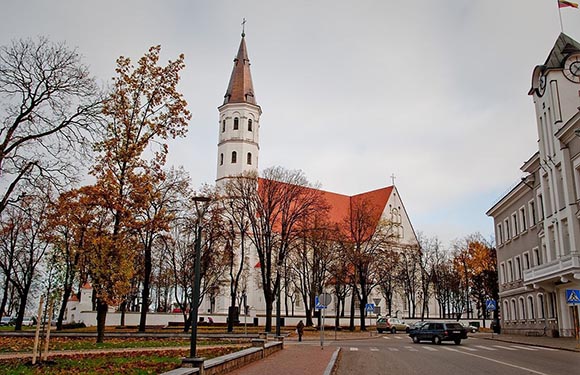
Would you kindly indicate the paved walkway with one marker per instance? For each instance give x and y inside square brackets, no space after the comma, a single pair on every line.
[564,343]
[295,359]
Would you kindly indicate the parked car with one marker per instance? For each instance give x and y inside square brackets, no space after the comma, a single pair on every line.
[6,321]
[28,321]
[438,332]
[469,327]
[391,325]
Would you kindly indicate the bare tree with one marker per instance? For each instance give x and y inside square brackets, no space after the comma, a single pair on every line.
[431,255]
[408,276]
[275,205]
[50,110]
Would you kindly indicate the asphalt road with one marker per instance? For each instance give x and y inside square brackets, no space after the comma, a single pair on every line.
[397,354]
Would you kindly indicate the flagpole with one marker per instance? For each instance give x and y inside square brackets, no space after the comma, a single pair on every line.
[560,13]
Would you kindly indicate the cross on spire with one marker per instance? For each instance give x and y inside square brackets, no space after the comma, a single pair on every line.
[393,179]
[243,27]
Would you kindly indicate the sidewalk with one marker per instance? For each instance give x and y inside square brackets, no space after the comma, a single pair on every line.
[563,343]
[295,359]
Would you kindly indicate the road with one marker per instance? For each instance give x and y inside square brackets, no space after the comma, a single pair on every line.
[397,354]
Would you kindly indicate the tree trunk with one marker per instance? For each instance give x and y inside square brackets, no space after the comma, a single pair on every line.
[5,295]
[146,289]
[65,297]
[362,306]
[337,315]
[351,326]
[269,311]
[102,308]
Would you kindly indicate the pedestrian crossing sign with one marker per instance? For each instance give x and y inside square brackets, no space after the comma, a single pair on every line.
[573,296]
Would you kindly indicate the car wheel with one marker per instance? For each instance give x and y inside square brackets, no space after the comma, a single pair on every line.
[437,340]
[416,339]
[393,330]
[457,341]
[407,330]
[380,330]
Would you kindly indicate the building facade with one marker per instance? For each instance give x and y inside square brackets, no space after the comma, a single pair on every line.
[537,224]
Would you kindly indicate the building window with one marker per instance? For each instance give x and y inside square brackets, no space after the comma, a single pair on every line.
[502,273]
[526,261]
[537,257]
[500,234]
[541,306]
[506,312]
[510,271]
[250,125]
[249,158]
[552,305]
[522,312]
[541,203]
[523,219]
[518,268]
[221,159]
[531,314]
[234,157]
[514,313]
[532,212]
[515,224]
[223,126]
[506,225]
[236,123]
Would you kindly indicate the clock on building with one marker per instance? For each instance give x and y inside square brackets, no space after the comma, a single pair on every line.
[572,67]
[542,84]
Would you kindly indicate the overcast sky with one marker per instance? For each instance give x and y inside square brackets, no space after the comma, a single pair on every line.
[434,92]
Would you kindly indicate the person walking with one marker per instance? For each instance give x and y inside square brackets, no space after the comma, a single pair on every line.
[300,330]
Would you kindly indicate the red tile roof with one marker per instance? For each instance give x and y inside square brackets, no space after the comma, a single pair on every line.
[241,89]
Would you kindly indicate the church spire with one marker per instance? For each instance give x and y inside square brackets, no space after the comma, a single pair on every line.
[241,89]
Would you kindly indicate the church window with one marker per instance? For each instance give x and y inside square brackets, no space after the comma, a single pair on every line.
[221,159]
[249,158]
[236,123]
[250,125]
[223,126]
[234,157]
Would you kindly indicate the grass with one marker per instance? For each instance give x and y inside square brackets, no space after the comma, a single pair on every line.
[126,363]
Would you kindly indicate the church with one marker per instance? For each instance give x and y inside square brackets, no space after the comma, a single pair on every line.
[238,153]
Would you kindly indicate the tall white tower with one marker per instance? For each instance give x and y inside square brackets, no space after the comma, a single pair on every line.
[239,122]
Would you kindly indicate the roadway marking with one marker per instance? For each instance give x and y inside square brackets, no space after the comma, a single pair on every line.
[394,349]
[496,361]
[504,347]
[386,338]
[430,348]
[485,347]
[524,347]
[468,348]
[398,337]
[411,349]
[549,349]
[353,349]
[374,349]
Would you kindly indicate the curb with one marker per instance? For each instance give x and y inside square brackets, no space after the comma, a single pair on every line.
[332,364]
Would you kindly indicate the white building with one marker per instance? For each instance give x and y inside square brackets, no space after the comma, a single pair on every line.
[537,224]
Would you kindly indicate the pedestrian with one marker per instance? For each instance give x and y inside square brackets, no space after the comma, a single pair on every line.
[300,330]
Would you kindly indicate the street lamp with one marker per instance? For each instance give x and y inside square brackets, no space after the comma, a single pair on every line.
[193,360]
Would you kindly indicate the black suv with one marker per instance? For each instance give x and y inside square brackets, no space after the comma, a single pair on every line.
[438,332]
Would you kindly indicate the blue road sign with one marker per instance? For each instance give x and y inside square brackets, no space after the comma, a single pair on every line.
[317,304]
[573,296]
[370,307]
[490,305]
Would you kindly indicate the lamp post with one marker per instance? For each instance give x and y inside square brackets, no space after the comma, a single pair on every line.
[193,360]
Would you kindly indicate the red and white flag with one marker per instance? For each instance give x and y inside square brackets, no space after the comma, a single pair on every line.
[565,4]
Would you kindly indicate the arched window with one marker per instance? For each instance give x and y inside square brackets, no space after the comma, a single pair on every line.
[236,123]
[542,312]
[221,159]
[250,125]
[531,312]
[514,312]
[522,312]
[506,310]
[223,126]
[234,157]
[249,158]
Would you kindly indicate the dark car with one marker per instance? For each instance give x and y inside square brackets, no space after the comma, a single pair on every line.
[437,332]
